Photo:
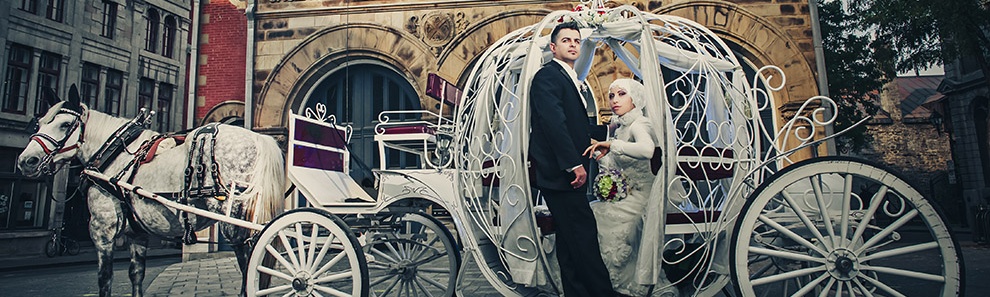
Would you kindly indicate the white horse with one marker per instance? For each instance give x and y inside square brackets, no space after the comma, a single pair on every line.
[248,174]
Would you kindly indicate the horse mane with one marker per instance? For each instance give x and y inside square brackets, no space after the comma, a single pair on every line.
[106,124]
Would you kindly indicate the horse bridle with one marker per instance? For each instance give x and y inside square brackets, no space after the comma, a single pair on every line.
[58,146]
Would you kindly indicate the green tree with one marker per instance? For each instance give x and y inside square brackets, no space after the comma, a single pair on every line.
[854,73]
[924,33]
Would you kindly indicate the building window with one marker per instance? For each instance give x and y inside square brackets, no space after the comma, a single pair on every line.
[109,18]
[168,37]
[89,86]
[48,75]
[151,38]
[111,99]
[29,6]
[15,87]
[24,202]
[146,92]
[56,10]
[164,107]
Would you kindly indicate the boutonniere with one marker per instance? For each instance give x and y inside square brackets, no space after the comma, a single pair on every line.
[584,87]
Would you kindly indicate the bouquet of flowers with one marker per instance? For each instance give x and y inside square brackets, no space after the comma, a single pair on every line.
[611,185]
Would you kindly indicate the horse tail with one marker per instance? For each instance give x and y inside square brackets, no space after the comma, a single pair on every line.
[269,182]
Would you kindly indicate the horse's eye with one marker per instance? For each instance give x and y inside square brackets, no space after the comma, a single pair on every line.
[66,125]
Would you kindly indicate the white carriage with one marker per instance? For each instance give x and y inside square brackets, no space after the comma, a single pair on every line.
[729,204]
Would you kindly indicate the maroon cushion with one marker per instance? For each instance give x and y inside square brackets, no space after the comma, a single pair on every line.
[409,129]
[694,217]
[698,170]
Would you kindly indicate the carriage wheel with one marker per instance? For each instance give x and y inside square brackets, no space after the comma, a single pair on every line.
[877,236]
[307,252]
[416,257]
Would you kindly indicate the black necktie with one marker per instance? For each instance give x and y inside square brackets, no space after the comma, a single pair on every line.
[589,99]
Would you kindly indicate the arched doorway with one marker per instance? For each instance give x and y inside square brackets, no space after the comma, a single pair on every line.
[355,93]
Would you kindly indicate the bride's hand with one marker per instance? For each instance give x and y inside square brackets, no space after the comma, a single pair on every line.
[600,147]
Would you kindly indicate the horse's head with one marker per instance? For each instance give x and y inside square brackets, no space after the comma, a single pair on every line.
[58,136]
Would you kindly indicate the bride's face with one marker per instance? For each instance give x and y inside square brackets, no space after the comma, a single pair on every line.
[621,101]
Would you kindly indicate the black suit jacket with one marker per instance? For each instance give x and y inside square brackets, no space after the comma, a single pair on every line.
[559,130]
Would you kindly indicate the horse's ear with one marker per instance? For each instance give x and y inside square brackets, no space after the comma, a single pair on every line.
[73,103]
[49,96]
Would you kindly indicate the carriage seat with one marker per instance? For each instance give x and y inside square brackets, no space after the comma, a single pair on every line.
[416,136]
[318,164]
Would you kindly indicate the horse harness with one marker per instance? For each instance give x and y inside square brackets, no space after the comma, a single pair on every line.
[192,187]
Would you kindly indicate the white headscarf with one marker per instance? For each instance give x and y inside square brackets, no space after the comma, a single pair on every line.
[635,89]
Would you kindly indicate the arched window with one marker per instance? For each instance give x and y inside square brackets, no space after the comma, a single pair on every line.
[151,33]
[356,95]
[168,37]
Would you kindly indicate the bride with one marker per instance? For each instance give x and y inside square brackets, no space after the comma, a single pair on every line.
[620,222]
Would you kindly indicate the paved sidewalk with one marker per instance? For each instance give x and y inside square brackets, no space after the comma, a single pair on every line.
[219,277]
[87,254]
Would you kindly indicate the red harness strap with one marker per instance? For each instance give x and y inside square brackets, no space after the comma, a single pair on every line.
[179,139]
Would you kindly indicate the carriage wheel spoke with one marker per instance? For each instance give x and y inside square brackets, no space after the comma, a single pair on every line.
[433,270]
[393,250]
[816,186]
[828,286]
[433,282]
[330,291]
[275,289]
[905,273]
[382,254]
[886,231]
[790,234]
[761,272]
[796,208]
[810,285]
[301,247]
[288,248]
[878,197]
[881,286]
[787,275]
[846,200]
[862,288]
[323,250]
[422,288]
[785,255]
[278,257]
[335,277]
[330,263]
[900,251]
[313,237]
[392,286]
[275,273]
[382,279]
[289,293]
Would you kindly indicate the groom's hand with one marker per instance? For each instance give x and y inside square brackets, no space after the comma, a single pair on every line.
[580,176]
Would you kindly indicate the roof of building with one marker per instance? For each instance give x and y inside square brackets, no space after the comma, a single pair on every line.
[915,91]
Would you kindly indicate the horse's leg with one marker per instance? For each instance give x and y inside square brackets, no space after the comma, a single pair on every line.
[237,236]
[139,251]
[104,225]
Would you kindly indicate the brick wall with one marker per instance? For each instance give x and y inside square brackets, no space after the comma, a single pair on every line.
[222,56]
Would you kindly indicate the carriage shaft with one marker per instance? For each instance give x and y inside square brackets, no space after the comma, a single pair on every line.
[175,205]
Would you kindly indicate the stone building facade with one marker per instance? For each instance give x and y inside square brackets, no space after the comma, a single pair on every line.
[966,108]
[362,57]
[123,55]
[908,137]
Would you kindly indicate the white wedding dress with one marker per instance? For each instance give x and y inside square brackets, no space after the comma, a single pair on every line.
[620,223]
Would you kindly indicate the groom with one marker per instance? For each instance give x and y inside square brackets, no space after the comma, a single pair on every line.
[559,133]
